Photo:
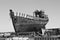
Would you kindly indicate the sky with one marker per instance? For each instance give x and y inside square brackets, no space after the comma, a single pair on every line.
[51,8]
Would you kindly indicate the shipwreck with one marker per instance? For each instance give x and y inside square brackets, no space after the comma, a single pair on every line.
[24,23]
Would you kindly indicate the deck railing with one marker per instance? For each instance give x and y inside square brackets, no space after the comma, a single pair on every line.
[30,16]
[30,38]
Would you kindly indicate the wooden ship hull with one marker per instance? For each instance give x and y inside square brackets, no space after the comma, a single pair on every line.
[27,23]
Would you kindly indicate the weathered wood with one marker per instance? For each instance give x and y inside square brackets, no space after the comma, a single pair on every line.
[26,24]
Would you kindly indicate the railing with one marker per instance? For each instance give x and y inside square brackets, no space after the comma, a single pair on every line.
[22,15]
[31,17]
[30,38]
[46,38]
